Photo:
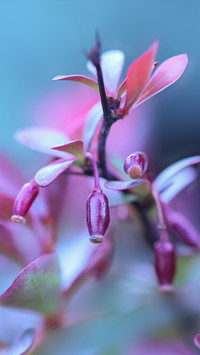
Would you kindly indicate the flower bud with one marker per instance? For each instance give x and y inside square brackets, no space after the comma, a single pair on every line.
[23,201]
[136,165]
[97,215]
[165,263]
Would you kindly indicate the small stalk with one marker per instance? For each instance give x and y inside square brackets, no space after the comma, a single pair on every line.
[97,186]
[161,217]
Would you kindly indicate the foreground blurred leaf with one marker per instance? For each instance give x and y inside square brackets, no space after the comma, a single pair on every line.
[24,344]
[37,287]
[42,139]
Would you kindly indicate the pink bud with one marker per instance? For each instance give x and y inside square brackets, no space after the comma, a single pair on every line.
[165,263]
[136,165]
[97,215]
[23,201]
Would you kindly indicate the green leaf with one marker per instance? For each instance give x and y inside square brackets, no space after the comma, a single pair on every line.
[37,287]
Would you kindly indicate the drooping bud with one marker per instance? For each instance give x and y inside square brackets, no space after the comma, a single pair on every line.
[97,216]
[165,263]
[136,165]
[24,201]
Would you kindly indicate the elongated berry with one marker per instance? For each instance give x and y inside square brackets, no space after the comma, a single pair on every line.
[24,201]
[136,165]
[97,216]
[165,263]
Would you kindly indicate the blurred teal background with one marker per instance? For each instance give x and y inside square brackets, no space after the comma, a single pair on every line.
[42,38]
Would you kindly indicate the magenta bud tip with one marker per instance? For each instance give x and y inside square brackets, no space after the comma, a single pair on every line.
[24,201]
[136,165]
[18,219]
[96,239]
[166,288]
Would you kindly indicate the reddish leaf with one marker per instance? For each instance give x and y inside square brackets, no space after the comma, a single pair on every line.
[124,185]
[37,287]
[78,78]
[42,139]
[49,173]
[138,75]
[166,74]
[74,147]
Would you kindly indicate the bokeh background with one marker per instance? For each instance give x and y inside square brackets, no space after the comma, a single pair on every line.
[43,38]
[40,39]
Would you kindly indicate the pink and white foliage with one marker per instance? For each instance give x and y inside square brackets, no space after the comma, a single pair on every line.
[37,287]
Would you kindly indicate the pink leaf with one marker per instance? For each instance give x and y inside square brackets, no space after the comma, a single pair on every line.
[112,63]
[78,78]
[74,147]
[124,185]
[42,139]
[37,287]
[92,122]
[166,74]
[138,75]
[49,173]
[162,180]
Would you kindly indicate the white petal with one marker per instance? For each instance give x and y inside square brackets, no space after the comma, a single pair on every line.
[112,63]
